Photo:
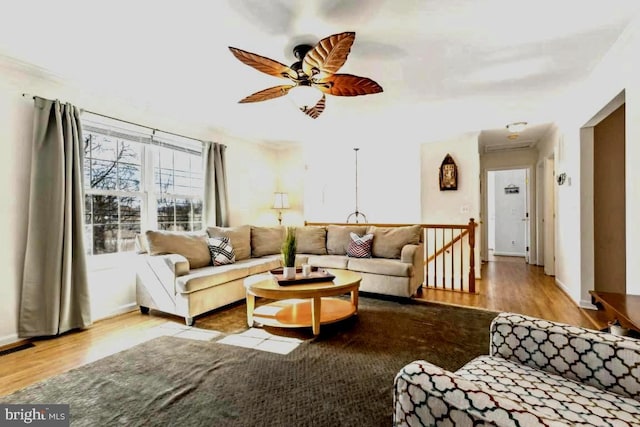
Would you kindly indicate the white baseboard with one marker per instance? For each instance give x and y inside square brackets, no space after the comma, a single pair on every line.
[509,253]
[562,286]
[118,310]
[581,303]
[587,304]
[12,338]
[9,339]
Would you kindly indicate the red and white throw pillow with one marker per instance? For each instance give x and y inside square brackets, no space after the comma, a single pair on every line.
[360,247]
[221,251]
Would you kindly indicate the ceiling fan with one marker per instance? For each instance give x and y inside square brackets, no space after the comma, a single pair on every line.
[316,67]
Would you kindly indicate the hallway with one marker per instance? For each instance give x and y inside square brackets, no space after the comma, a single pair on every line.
[509,284]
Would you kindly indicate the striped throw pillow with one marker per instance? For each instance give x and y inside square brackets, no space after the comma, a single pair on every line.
[221,251]
[360,247]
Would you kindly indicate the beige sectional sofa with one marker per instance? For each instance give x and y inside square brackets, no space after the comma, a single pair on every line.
[176,275]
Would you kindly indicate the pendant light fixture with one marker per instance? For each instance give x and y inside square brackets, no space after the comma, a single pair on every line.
[357,215]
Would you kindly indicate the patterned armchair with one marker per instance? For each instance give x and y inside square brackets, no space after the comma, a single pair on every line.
[538,373]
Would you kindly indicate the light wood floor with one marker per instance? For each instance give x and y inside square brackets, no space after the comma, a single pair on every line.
[507,285]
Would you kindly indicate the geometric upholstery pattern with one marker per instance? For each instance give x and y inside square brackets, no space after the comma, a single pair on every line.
[539,373]
[360,247]
[605,361]
[427,395]
[551,395]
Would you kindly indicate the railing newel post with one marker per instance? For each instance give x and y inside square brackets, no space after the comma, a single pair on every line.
[472,260]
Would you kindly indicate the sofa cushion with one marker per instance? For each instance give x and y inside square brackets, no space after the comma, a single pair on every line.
[190,245]
[311,240]
[338,237]
[550,394]
[360,247]
[221,251]
[388,241]
[328,261]
[262,264]
[210,276]
[240,238]
[266,240]
[387,267]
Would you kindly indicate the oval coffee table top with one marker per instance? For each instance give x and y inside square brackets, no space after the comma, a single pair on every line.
[266,286]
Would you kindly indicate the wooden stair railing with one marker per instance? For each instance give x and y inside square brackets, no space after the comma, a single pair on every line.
[443,254]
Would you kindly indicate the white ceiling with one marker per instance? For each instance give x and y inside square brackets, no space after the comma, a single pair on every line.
[446,66]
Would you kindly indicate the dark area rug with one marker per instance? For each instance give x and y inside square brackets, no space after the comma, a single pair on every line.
[343,377]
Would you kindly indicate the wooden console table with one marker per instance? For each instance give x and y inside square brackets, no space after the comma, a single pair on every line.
[625,308]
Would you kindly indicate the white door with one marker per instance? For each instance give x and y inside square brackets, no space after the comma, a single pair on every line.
[510,212]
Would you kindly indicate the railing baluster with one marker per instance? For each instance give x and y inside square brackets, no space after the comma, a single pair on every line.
[461,262]
[444,284]
[435,260]
[425,238]
[453,250]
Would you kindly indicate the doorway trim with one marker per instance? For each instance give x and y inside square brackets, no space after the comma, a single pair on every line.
[548,217]
[587,241]
[530,202]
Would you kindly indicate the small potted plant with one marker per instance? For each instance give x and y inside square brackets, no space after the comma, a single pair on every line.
[289,254]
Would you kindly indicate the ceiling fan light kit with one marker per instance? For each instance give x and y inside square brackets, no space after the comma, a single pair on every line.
[316,68]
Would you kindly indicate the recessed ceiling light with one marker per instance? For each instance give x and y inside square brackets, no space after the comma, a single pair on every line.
[516,127]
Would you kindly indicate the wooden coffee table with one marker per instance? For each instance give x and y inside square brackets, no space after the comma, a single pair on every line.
[302,305]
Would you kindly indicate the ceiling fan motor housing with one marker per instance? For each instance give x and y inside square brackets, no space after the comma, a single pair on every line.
[301,50]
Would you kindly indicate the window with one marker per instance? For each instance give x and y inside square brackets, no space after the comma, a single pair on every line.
[178,186]
[135,179]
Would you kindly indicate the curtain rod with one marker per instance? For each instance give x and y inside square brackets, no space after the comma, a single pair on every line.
[28,95]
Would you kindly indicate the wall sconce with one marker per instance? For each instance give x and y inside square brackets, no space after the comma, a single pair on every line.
[562,178]
[280,201]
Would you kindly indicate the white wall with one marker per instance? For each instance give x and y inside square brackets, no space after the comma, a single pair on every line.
[291,179]
[388,183]
[252,180]
[509,212]
[15,137]
[618,71]
[452,207]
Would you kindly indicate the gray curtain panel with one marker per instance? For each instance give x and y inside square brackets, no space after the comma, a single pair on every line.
[216,197]
[55,291]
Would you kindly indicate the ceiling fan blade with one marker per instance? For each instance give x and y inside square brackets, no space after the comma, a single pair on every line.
[265,95]
[264,64]
[329,54]
[347,85]
[315,111]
